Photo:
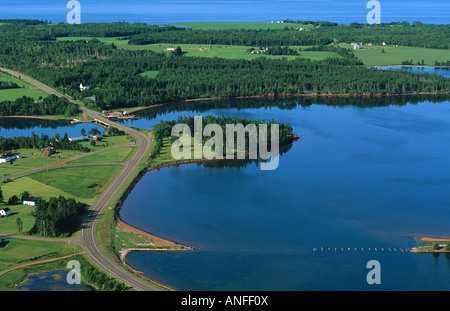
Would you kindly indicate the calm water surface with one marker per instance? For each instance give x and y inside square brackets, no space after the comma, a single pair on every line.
[359,177]
[15,127]
[51,281]
[176,11]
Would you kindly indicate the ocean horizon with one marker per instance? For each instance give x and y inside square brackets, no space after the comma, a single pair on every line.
[176,11]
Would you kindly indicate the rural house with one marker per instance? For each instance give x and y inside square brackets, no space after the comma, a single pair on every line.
[10,157]
[48,151]
[5,212]
[28,200]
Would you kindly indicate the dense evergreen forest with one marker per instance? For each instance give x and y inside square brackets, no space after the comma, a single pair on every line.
[26,106]
[114,74]
[57,217]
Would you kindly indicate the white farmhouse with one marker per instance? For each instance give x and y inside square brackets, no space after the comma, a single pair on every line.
[27,200]
[5,212]
[83,87]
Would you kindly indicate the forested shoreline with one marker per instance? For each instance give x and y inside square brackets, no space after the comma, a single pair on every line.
[114,74]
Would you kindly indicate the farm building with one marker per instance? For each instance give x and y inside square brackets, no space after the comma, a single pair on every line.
[78,139]
[5,212]
[28,200]
[10,157]
[83,87]
[48,151]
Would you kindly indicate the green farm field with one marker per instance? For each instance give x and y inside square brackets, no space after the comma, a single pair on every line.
[199,50]
[8,224]
[395,55]
[85,183]
[17,251]
[120,154]
[32,159]
[82,183]
[24,90]
[13,94]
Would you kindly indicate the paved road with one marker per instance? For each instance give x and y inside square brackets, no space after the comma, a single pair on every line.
[87,238]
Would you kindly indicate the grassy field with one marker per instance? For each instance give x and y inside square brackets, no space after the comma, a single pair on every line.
[13,94]
[16,251]
[32,159]
[20,83]
[24,90]
[395,55]
[36,188]
[85,183]
[199,50]
[371,55]
[8,224]
[120,154]
[228,51]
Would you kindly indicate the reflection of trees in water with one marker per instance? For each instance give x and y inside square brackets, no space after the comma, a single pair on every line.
[29,123]
[238,163]
[290,103]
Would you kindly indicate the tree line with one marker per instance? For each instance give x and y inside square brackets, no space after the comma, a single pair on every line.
[163,130]
[27,106]
[39,142]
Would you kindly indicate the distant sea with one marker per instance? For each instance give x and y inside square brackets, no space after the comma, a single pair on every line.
[179,11]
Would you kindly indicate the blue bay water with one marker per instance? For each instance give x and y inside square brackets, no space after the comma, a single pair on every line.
[357,178]
[176,11]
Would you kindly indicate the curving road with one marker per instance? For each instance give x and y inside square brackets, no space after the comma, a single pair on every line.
[87,238]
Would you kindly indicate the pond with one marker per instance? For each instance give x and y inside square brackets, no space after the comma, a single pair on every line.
[51,281]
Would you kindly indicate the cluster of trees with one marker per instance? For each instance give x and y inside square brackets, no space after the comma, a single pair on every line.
[27,106]
[447,63]
[281,50]
[100,279]
[232,37]
[57,217]
[38,142]
[164,130]
[114,131]
[4,85]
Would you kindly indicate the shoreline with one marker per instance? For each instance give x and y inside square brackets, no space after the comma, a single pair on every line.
[167,245]
[287,95]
